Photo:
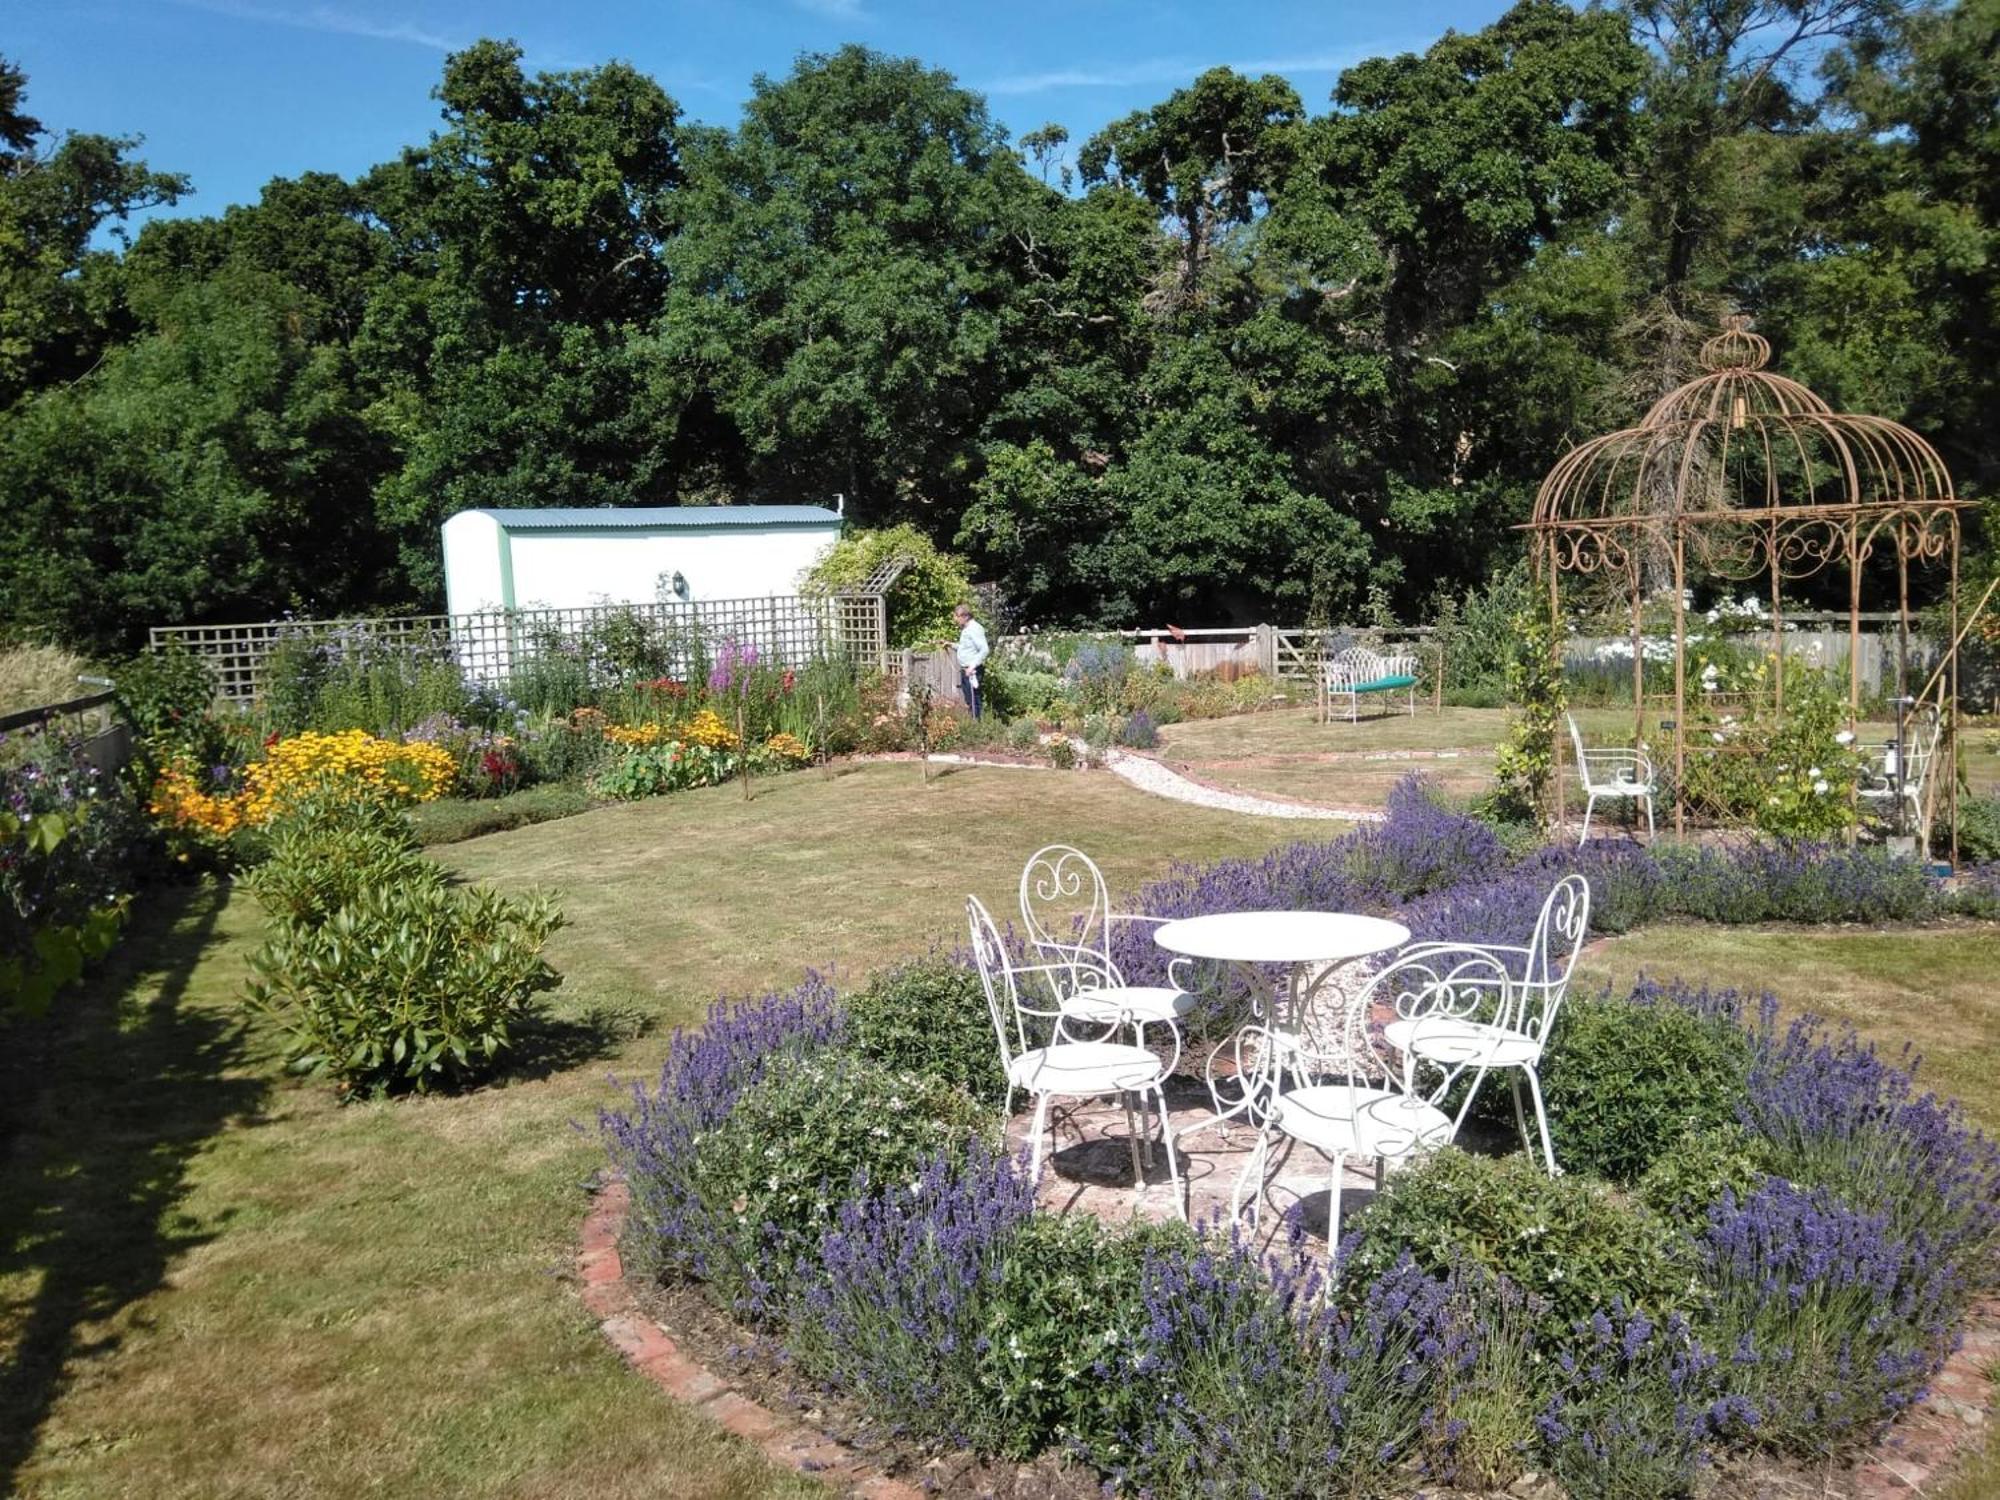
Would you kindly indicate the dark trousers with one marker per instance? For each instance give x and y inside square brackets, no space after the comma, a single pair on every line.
[968,687]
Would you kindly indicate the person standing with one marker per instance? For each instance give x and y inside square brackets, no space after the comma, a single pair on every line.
[972,654]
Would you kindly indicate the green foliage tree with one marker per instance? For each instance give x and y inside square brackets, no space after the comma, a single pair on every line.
[1258,354]
[920,601]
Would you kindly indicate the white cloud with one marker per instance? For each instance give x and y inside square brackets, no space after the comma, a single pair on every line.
[1176,70]
[839,10]
[327,18]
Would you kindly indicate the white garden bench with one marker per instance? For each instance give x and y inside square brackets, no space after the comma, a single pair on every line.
[1357,671]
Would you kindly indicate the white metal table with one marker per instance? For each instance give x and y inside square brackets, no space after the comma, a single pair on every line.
[1300,941]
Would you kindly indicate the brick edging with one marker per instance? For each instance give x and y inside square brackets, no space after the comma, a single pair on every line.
[649,1349]
[1924,1442]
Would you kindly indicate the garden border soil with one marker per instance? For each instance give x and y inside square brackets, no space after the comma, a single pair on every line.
[1919,1447]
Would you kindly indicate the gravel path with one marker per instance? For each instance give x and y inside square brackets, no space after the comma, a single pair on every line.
[1149,775]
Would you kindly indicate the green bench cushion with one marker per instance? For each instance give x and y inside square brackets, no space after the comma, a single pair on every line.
[1383,684]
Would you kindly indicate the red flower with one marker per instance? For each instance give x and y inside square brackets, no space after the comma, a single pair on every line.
[791,679]
[270,739]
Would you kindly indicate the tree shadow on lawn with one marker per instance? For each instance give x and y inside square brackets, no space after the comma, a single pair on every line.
[545,1044]
[98,1123]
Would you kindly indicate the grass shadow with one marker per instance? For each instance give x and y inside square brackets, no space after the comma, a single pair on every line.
[108,1100]
[545,1045]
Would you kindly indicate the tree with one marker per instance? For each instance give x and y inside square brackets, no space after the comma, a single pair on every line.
[59,298]
[1206,160]
[841,280]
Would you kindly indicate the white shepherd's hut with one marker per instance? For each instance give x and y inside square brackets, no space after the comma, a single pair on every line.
[573,559]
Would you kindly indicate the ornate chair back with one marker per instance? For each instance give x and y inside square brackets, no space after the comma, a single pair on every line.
[1019,1024]
[1066,911]
[1552,954]
[1356,1055]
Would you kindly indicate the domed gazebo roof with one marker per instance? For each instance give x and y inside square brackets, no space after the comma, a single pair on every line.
[1752,469]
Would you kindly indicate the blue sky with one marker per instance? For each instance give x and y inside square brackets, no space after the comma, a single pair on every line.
[235,92]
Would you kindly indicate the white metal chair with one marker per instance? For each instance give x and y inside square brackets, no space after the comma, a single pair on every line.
[1357,671]
[1880,786]
[1613,774]
[1368,1107]
[1478,1025]
[1066,911]
[1039,1057]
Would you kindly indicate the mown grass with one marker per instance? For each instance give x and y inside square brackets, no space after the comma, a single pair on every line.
[1931,989]
[216,1282]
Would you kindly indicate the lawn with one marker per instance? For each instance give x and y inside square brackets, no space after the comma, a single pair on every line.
[1931,988]
[1287,752]
[215,1281]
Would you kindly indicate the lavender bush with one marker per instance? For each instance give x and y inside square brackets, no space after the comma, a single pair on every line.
[1837,1115]
[1637,1406]
[677,1230]
[902,1287]
[1421,846]
[1836,1322]
[1251,1383]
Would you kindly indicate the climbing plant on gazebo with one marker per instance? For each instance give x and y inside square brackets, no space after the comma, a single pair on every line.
[1742,475]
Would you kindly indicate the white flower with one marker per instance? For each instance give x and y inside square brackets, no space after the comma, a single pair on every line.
[1814,772]
[1845,737]
[1820,787]
[1717,738]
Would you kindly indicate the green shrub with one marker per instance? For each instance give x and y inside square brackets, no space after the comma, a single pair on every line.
[930,1017]
[653,770]
[786,1156]
[1699,1169]
[1979,830]
[1567,1240]
[1624,1082]
[328,851]
[1070,1298]
[452,819]
[1016,691]
[408,986]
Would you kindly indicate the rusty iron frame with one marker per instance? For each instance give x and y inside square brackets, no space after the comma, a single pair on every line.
[1682,489]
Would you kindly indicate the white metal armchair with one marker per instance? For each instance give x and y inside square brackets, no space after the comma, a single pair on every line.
[1477,1024]
[1040,1057]
[1066,911]
[1614,774]
[1368,1108]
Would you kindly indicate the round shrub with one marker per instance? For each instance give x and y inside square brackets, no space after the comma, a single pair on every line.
[329,851]
[1624,1081]
[408,985]
[930,1017]
[778,1167]
[1700,1168]
[1065,1315]
[1567,1240]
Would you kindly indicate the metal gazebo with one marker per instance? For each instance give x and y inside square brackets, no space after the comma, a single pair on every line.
[1744,475]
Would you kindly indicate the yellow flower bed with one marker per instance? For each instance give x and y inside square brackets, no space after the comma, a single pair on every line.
[788,747]
[707,729]
[638,734]
[353,760]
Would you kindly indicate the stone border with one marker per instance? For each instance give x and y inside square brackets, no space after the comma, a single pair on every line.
[649,1350]
[1922,1445]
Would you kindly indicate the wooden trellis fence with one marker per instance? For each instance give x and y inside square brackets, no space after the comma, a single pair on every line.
[487,646]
